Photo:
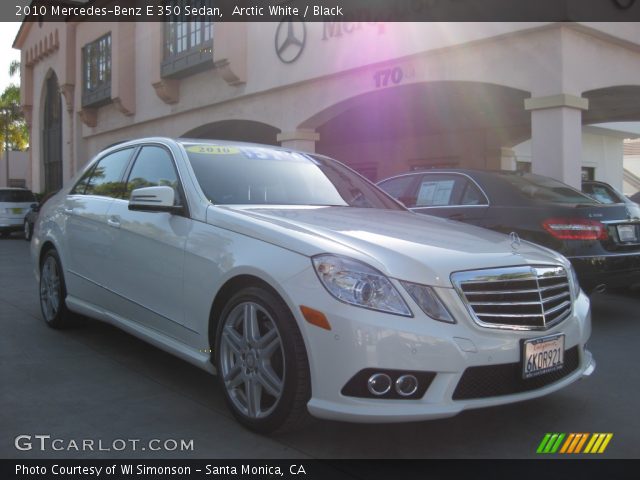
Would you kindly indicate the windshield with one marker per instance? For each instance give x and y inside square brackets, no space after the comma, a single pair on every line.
[546,189]
[16,196]
[247,175]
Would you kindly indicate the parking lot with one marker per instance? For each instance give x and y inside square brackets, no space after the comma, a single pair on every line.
[96,382]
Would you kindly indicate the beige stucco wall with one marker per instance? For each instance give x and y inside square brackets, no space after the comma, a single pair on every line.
[18,167]
[600,151]
[250,82]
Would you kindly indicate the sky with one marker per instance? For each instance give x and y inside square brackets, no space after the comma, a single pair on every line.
[8,32]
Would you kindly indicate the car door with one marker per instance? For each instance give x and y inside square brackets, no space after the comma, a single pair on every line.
[148,249]
[87,241]
[450,195]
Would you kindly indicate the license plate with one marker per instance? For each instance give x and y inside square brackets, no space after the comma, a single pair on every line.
[542,355]
[627,233]
[17,211]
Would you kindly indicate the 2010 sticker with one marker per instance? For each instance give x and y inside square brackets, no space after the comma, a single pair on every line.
[213,149]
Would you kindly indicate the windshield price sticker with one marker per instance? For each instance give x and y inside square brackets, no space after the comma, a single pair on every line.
[543,355]
[255,153]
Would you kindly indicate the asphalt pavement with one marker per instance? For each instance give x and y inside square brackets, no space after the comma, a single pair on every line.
[95,383]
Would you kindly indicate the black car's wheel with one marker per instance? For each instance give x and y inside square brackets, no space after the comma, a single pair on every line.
[262,362]
[27,230]
[53,292]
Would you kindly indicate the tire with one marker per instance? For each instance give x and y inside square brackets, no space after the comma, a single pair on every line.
[53,292]
[28,230]
[262,362]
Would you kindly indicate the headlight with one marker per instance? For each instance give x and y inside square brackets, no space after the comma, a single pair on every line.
[358,284]
[574,283]
[428,300]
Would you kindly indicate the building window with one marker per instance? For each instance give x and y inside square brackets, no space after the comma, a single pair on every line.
[523,167]
[188,45]
[96,72]
[588,173]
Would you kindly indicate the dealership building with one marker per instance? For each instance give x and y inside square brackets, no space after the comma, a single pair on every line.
[382,97]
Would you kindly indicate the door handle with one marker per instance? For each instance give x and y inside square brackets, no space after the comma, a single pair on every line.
[113,222]
[456,216]
[68,211]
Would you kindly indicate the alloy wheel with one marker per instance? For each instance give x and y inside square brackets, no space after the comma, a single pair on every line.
[50,289]
[252,360]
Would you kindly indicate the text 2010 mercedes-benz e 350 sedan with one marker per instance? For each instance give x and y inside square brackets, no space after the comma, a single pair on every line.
[305,287]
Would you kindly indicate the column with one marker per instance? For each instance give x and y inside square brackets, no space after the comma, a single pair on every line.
[301,139]
[556,136]
[507,159]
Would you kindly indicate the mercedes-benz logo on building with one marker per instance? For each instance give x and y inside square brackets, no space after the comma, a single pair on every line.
[291,37]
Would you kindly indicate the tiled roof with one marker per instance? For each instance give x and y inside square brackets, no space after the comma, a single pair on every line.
[632,147]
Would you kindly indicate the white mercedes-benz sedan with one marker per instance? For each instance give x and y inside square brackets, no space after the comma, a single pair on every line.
[306,288]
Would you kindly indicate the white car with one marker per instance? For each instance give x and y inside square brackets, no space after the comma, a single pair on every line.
[15,203]
[305,287]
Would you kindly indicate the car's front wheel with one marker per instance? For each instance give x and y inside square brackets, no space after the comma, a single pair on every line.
[53,292]
[27,230]
[262,362]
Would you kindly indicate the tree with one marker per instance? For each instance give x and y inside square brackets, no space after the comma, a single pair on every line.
[12,120]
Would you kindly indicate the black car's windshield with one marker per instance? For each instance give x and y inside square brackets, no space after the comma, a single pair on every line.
[546,189]
[244,175]
[16,196]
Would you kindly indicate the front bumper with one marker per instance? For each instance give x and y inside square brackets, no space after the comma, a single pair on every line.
[616,270]
[362,339]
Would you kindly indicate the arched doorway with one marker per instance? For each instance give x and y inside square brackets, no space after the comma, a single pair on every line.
[52,135]
[423,125]
[238,130]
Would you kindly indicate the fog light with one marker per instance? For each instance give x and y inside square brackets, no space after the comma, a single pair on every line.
[379,384]
[406,385]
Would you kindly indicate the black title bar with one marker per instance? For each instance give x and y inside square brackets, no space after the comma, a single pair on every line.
[321,10]
[316,469]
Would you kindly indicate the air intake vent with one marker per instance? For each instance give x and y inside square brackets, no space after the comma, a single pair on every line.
[520,298]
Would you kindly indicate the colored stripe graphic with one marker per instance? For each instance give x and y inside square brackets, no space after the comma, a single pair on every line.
[565,447]
[543,443]
[550,443]
[573,443]
[581,442]
[598,442]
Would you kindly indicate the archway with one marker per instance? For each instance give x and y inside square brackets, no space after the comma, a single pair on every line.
[238,130]
[613,104]
[423,125]
[52,135]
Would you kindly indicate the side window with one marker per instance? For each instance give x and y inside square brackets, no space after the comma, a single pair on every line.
[600,193]
[153,168]
[472,195]
[106,177]
[402,189]
[437,190]
[81,186]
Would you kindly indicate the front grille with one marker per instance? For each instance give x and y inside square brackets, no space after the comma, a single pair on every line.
[506,379]
[522,298]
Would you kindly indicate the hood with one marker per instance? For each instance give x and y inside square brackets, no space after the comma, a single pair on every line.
[402,245]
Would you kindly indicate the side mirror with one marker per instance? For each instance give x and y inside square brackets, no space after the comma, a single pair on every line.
[35,207]
[154,199]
